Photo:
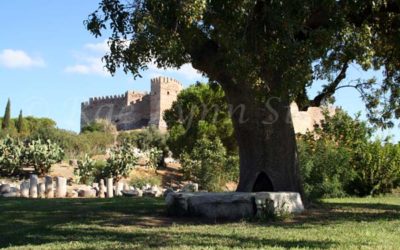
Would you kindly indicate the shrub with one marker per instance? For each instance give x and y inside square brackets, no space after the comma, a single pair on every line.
[325,168]
[155,157]
[150,140]
[10,156]
[340,158]
[206,164]
[85,170]
[122,159]
[41,155]
[377,168]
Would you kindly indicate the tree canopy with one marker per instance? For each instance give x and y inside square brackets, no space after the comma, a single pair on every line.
[254,42]
[264,54]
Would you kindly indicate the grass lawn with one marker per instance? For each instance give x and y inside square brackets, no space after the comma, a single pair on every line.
[129,223]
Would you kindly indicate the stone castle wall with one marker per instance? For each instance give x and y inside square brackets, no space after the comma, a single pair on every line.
[134,110]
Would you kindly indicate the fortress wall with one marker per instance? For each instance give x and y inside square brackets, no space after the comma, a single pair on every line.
[108,108]
[136,115]
[164,92]
[304,121]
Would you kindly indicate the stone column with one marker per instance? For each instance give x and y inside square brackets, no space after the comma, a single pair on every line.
[41,190]
[24,189]
[49,187]
[102,189]
[119,186]
[110,188]
[33,182]
[61,187]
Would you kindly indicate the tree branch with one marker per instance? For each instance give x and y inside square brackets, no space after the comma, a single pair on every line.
[329,90]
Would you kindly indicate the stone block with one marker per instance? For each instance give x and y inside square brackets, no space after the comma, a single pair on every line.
[279,202]
[230,205]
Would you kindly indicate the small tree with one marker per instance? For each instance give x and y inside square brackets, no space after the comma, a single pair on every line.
[122,159]
[7,116]
[20,124]
[41,155]
[207,164]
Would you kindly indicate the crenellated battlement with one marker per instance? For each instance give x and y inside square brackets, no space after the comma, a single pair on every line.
[164,80]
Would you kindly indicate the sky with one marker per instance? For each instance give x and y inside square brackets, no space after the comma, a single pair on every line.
[49,63]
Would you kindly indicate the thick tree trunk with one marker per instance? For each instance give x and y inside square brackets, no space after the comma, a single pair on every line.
[267,144]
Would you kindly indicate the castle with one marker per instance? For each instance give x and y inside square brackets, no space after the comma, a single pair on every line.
[134,110]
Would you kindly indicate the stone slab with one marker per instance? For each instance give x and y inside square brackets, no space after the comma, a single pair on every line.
[229,205]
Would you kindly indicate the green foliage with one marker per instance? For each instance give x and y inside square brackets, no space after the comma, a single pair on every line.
[41,155]
[325,168]
[150,140]
[10,156]
[122,159]
[77,145]
[7,116]
[199,111]
[340,158]
[20,124]
[258,47]
[85,170]
[155,157]
[377,168]
[207,164]
[141,181]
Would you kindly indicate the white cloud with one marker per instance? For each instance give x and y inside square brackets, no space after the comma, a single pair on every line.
[88,65]
[98,47]
[89,62]
[186,71]
[13,59]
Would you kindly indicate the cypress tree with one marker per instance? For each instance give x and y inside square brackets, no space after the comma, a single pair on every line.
[7,116]
[20,122]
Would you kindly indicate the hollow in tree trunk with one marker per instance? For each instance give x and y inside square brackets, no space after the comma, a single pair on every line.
[267,144]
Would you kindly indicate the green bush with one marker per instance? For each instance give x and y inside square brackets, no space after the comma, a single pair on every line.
[150,140]
[377,167]
[207,164]
[41,155]
[85,170]
[10,156]
[122,159]
[155,157]
[325,168]
[340,158]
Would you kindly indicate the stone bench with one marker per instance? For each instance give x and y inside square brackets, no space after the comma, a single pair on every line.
[231,205]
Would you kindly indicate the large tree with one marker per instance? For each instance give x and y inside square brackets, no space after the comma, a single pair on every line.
[264,54]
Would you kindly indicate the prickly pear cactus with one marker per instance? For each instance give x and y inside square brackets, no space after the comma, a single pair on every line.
[84,172]
[41,155]
[122,159]
[10,156]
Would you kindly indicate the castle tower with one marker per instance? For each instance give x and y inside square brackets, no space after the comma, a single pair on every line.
[164,92]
